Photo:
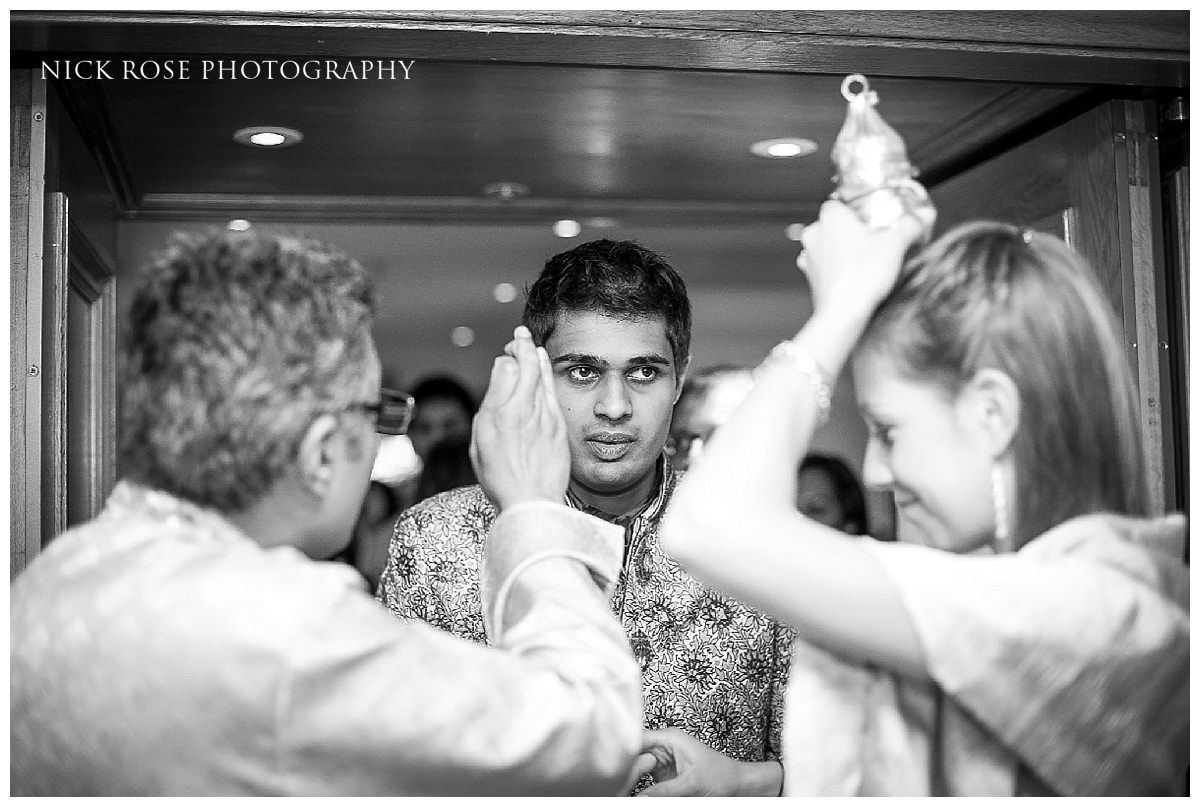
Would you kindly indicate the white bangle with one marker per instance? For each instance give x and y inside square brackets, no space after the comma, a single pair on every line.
[799,360]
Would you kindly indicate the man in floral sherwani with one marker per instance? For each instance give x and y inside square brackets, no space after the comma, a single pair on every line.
[616,322]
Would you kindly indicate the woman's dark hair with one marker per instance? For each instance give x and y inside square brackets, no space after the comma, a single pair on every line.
[448,466]
[443,386]
[845,484]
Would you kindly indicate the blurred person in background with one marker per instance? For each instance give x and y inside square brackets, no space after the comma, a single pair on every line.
[443,408]
[708,398]
[828,491]
[826,488]
[447,466]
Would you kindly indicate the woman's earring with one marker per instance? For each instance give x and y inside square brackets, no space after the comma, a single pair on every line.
[1003,540]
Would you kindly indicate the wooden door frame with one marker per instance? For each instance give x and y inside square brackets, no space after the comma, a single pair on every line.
[93,279]
[1129,48]
[1131,52]
[53,436]
[26,194]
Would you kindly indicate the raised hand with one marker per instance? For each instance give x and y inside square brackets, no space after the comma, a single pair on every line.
[519,443]
[849,265]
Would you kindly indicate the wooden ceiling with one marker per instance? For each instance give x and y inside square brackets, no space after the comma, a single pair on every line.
[636,123]
[589,139]
[592,141]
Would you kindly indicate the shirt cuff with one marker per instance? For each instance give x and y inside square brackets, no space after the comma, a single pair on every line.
[527,533]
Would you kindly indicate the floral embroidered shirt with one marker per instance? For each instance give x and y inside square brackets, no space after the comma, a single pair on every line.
[711,666]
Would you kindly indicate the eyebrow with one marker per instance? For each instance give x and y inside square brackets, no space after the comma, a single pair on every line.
[596,361]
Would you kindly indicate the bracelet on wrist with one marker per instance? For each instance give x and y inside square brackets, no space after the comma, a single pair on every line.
[800,361]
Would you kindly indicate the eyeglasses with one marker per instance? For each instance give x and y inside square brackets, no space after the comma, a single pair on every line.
[393,411]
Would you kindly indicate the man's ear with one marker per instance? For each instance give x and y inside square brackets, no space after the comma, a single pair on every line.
[680,376]
[316,456]
[994,404]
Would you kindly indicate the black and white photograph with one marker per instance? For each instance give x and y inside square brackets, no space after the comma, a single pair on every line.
[651,402]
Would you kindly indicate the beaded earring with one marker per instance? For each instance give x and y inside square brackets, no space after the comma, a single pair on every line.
[1003,538]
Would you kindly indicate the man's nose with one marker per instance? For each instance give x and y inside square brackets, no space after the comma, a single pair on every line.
[614,402]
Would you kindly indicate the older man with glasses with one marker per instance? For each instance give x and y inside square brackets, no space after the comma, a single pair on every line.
[186,641]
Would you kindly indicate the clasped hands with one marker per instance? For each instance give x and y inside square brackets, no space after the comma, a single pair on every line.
[519,440]
[681,765]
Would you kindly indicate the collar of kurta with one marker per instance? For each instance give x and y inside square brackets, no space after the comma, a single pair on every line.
[650,508]
[132,501]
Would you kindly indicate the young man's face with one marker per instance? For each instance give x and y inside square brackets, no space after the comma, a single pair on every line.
[697,416]
[616,382]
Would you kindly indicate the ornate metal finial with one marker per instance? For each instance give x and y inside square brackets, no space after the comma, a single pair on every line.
[874,175]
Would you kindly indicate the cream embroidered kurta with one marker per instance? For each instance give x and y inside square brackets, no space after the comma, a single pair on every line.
[1064,666]
[158,650]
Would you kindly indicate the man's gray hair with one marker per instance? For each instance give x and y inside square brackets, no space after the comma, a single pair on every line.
[233,344]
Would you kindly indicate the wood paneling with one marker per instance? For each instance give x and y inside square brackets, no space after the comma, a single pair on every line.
[1023,185]
[21,177]
[73,168]
[51,173]
[1133,48]
[91,379]
[1174,316]
[28,157]
[535,99]
[636,146]
[450,210]
[55,265]
[1133,29]
[1090,167]
[1137,172]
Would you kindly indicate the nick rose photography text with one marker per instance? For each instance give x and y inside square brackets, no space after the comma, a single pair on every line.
[227,69]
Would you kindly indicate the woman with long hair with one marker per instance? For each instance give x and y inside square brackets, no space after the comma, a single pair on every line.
[1036,639]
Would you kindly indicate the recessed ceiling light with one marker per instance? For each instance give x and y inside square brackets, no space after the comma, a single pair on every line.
[238,225]
[267,136]
[462,336]
[782,148]
[504,292]
[794,232]
[506,190]
[567,228]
